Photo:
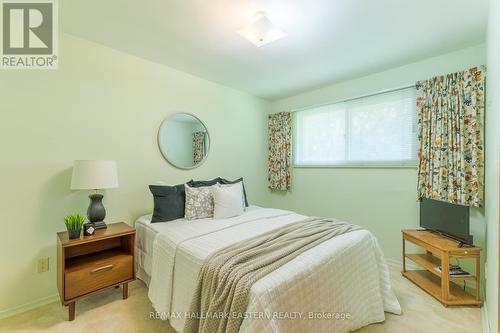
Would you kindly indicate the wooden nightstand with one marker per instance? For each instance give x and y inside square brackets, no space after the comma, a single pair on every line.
[90,264]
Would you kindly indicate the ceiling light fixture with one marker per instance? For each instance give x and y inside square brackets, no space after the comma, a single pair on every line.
[261,31]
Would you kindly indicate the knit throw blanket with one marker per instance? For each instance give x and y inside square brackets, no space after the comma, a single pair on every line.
[226,276]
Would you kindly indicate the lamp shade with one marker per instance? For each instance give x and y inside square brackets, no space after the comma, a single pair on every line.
[94,175]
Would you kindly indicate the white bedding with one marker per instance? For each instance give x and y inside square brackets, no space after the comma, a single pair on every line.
[346,274]
[146,233]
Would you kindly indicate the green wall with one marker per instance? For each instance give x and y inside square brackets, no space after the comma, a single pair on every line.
[381,199]
[492,164]
[103,104]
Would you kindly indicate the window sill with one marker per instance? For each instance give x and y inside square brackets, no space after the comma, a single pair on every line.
[355,166]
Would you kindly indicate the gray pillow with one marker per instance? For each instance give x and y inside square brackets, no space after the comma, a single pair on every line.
[168,202]
[200,183]
[199,202]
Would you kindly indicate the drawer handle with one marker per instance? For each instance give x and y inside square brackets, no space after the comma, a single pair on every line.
[102,269]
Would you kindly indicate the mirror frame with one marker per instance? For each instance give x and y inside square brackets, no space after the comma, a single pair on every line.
[166,158]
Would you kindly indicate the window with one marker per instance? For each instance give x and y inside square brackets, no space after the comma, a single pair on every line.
[374,130]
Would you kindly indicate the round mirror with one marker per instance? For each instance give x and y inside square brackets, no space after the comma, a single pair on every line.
[183,140]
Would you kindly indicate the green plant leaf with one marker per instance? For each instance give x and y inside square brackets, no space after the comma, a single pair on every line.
[74,221]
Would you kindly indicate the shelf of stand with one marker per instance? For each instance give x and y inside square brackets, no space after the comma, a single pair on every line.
[430,262]
[432,285]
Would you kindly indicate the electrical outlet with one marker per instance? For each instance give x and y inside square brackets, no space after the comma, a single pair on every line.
[42,265]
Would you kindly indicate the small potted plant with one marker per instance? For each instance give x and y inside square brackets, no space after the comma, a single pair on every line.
[74,224]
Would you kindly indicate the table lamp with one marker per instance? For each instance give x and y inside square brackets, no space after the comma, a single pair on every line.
[95,175]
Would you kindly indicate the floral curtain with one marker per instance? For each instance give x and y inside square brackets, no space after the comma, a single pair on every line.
[451,137]
[280,151]
[198,147]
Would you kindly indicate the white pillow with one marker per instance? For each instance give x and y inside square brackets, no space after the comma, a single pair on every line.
[228,200]
[242,193]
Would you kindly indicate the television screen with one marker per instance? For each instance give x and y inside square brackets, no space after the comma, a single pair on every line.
[449,219]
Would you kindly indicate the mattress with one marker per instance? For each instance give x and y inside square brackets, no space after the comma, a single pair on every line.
[338,286]
[145,236]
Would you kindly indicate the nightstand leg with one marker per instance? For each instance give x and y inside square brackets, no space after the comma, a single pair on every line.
[478,279]
[404,255]
[125,290]
[71,311]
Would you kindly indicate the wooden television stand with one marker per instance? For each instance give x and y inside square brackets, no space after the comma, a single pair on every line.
[439,251]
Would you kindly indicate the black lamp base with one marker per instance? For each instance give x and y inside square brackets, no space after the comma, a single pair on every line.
[100,225]
[96,212]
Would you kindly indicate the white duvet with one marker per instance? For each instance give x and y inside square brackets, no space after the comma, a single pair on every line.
[338,286]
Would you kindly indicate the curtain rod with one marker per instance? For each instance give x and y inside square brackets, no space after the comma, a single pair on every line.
[354,98]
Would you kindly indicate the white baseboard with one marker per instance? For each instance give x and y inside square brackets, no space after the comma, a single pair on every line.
[484,318]
[394,263]
[28,306]
[399,264]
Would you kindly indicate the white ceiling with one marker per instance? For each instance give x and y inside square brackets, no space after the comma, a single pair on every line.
[327,40]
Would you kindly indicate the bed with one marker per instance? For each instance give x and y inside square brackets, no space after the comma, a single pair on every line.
[338,286]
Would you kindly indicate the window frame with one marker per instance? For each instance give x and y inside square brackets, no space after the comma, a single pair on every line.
[409,164]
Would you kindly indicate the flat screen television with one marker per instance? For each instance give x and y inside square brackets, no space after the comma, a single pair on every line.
[446,218]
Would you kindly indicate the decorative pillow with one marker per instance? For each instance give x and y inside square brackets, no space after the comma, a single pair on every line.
[199,202]
[228,200]
[202,183]
[225,181]
[169,202]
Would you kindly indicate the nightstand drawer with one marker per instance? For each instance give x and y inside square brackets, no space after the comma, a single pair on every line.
[95,271]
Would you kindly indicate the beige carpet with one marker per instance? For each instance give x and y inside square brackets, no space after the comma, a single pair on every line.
[107,312]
